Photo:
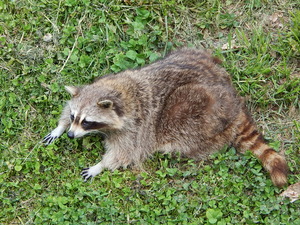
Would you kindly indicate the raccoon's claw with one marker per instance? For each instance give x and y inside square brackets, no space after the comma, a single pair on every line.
[48,139]
[90,172]
[86,174]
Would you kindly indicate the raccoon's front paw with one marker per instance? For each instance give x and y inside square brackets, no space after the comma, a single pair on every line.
[49,138]
[88,173]
[85,174]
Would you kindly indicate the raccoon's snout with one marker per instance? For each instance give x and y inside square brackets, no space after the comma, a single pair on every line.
[71,134]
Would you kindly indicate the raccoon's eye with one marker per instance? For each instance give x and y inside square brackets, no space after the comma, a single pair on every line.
[72,117]
[92,125]
[86,123]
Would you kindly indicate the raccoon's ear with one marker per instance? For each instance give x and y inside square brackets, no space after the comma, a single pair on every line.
[72,90]
[106,104]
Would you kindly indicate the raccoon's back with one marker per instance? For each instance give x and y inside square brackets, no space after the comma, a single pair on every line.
[183,67]
[186,66]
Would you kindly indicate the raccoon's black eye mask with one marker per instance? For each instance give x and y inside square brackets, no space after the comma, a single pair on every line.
[91,125]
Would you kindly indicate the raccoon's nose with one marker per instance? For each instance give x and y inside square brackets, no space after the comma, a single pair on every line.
[71,134]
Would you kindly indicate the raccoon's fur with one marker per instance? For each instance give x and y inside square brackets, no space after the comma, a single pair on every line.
[184,102]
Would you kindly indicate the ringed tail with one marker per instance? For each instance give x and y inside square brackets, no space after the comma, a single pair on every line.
[249,138]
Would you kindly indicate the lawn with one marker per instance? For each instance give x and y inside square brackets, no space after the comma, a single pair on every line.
[46,44]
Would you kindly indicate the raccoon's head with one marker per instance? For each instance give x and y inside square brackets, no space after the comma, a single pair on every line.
[94,109]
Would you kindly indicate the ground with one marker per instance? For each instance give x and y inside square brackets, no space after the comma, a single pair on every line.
[47,44]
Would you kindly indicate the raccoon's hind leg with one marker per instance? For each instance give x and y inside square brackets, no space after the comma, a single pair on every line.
[248,138]
[63,124]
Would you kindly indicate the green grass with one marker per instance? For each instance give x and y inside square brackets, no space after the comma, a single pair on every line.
[47,44]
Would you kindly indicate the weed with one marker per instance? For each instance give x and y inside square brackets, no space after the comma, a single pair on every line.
[45,45]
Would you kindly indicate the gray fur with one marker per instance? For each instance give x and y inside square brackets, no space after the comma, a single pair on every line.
[184,102]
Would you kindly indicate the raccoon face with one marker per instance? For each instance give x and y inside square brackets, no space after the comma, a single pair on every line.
[92,111]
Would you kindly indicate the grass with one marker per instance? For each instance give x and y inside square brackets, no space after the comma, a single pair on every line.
[45,45]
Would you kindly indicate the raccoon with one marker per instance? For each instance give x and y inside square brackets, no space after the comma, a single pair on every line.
[183,103]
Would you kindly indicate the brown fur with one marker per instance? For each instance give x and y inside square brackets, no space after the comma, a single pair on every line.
[184,102]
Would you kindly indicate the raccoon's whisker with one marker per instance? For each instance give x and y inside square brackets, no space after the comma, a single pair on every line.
[97,132]
[103,134]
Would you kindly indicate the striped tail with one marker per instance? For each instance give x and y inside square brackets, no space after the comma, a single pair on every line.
[248,138]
